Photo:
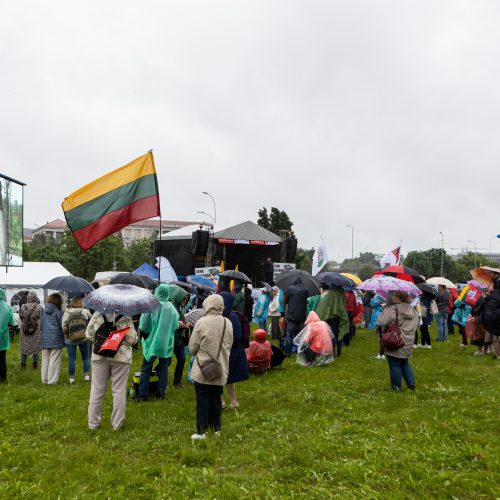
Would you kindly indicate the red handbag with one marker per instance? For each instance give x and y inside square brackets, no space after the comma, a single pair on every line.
[473,295]
[391,335]
[110,346]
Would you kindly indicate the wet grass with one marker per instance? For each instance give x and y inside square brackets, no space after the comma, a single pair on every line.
[337,431]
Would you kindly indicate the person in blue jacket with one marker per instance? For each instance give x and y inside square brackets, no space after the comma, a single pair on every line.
[376,305]
[261,310]
[53,340]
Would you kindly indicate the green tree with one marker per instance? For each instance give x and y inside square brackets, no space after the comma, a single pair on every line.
[275,221]
[140,251]
[366,271]
[263,220]
[303,259]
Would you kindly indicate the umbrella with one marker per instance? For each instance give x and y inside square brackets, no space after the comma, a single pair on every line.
[194,315]
[441,281]
[201,282]
[69,284]
[182,284]
[352,277]
[403,273]
[277,357]
[485,274]
[236,276]
[426,288]
[133,279]
[127,300]
[286,279]
[383,285]
[329,280]
[267,286]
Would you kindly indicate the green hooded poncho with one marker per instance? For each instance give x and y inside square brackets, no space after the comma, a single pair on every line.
[6,319]
[177,295]
[239,298]
[161,325]
[312,303]
[332,305]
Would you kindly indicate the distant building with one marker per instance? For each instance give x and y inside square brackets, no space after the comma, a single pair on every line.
[490,256]
[150,229]
[52,230]
[27,235]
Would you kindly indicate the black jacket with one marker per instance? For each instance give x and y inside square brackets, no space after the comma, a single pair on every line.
[489,312]
[296,301]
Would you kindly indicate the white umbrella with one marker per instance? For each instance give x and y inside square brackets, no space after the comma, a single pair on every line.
[441,281]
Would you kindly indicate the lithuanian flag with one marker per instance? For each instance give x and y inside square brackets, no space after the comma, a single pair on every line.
[112,202]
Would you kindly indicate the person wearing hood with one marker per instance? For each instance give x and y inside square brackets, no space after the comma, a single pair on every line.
[6,320]
[314,342]
[179,298]
[488,308]
[398,307]
[332,309]
[276,309]
[105,369]
[248,312]
[211,339]
[239,298]
[296,312]
[52,339]
[158,328]
[259,353]
[238,365]
[30,339]
[261,309]
[76,313]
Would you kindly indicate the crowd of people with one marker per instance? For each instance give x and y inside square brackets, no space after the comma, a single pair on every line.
[223,354]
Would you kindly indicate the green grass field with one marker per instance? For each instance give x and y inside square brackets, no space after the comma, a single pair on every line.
[336,431]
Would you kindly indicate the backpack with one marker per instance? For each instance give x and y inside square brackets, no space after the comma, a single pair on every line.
[76,326]
[30,328]
[102,333]
[245,328]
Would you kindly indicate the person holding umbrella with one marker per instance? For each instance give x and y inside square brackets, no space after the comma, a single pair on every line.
[158,338]
[296,312]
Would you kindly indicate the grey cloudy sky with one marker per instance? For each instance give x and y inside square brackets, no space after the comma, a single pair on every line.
[380,114]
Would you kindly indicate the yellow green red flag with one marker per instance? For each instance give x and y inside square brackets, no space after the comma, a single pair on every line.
[111,202]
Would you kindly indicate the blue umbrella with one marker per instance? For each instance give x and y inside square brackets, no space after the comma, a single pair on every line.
[127,300]
[201,282]
[329,280]
[69,284]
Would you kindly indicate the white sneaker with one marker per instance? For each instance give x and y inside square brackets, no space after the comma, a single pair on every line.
[377,356]
[463,345]
[87,378]
[382,356]
[196,437]
[479,353]
[428,347]
[71,380]
[416,346]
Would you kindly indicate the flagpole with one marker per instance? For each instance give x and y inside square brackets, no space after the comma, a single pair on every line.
[159,260]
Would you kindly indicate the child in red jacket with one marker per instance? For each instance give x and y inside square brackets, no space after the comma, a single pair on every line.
[259,352]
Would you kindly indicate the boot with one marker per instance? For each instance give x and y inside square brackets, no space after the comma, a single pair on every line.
[35,366]
[23,365]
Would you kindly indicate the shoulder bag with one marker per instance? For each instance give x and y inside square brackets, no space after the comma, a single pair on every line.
[391,335]
[211,368]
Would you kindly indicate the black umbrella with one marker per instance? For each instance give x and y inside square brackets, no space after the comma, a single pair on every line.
[236,276]
[330,280]
[133,279]
[69,284]
[277,357]
[426,288]
[182,284]
[286,279]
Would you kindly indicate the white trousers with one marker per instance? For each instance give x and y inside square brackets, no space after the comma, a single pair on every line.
[51,365]
[102,372]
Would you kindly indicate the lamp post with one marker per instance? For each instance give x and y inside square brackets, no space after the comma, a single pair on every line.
[215,210]
[352,247]
[205,213]
[475,252]
[442,251]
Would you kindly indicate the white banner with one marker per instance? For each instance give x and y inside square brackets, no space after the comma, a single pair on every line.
[320,258]
[208,272]
[279,267]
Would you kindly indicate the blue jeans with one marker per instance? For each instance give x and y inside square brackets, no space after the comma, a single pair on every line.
[161,371]
[442,326]
[400,368]
[292,328]
[84,351]
[180,354]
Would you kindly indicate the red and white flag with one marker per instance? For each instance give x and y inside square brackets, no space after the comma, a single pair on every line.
[392,258]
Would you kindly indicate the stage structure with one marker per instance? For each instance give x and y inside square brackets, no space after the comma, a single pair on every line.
[246,245]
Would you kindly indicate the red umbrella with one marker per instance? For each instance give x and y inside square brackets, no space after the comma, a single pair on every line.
[403,273]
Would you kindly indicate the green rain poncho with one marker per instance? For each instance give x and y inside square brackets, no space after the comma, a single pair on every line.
[177,295]
[6,319]
[239,298]
[161,325]
[332,305]
[312,303]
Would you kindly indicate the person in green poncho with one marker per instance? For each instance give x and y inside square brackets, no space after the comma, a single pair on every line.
[6,319]
[332,309]
[158,330]
[312,303]
[239,298]
[179,298]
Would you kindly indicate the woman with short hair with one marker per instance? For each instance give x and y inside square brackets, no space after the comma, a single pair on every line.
[52,339]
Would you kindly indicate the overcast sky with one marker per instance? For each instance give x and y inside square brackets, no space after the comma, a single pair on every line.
[380,114]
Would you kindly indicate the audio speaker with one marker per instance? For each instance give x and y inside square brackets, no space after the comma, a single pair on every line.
[199,242]
[291,249]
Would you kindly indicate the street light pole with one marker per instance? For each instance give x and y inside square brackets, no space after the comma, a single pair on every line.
[442,252]
[205,213]
[215,210]
[352,247]
[475,252]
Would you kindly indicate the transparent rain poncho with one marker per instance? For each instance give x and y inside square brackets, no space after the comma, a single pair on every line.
[314,343]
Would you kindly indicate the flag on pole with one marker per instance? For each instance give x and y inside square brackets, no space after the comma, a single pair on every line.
[391,258]
[111,202]
[320,258]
